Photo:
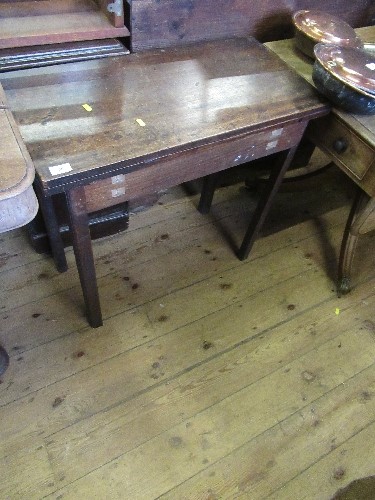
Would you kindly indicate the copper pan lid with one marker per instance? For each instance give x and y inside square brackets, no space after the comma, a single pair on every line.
[323,27]
[354,67]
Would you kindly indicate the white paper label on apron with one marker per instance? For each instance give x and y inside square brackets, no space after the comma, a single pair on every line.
[271,145]
[277,132]
[117,192]
[118,179]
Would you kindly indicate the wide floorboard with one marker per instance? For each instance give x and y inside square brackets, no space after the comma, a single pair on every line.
[211,378]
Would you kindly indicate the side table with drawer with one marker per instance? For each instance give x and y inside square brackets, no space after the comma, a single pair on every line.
[349,140]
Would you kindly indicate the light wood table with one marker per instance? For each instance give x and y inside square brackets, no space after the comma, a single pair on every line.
[18,203]
[151,121]
[349,140]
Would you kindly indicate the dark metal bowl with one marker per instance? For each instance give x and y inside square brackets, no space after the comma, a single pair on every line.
[312,27]
[340,94]
[346,76]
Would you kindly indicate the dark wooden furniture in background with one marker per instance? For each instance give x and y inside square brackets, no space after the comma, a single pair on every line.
[104,222]
[45,55]
[158,119]
[38,22]
[156,23]
[45,32]
[349,140]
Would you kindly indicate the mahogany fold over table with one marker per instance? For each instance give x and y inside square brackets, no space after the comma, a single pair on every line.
[153,120]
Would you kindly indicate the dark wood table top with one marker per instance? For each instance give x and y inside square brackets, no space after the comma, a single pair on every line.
[185,97]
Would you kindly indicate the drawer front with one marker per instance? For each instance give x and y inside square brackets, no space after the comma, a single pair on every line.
[191,164]
[340,142]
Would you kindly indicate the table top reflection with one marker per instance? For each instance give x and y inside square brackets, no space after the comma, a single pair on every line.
[90,118]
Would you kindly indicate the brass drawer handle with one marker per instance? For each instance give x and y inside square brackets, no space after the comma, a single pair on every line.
[340,145]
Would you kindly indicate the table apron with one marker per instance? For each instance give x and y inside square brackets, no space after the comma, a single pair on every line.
[191,164]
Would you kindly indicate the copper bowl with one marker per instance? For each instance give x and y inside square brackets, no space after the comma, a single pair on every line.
[346,77]
[312,27]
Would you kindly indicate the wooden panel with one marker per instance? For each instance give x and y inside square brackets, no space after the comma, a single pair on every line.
[191,165]
[27,8]
[37,23]
[160,24]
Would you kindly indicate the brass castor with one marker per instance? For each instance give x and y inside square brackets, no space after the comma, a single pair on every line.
[4,360]
[344,286]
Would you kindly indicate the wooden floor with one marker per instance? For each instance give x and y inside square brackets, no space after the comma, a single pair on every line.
[211,378]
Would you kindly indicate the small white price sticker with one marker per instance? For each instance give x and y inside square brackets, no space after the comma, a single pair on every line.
[60,169]
[371,66]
